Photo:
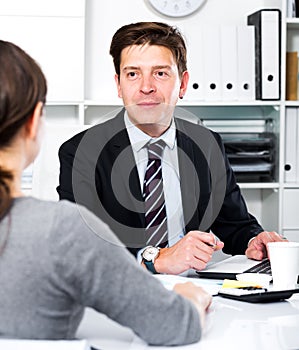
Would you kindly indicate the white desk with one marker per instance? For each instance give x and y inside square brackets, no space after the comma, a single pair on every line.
[230,325]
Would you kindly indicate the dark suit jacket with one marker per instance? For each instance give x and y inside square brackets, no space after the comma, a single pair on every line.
[98,171]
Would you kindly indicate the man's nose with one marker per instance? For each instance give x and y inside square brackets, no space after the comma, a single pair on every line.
[147,85]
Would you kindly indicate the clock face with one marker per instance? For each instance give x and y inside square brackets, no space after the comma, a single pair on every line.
[176,8]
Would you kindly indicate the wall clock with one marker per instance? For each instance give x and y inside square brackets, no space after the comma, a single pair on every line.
[176,8]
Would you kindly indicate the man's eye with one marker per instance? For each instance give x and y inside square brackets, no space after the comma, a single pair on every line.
[132,74]
[161,74]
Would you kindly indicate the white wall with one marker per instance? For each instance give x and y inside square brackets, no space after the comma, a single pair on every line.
[52,32]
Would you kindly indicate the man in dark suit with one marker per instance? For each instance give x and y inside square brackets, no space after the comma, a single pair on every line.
[164,185]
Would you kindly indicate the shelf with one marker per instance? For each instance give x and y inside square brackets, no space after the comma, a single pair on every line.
[64,103]
[229,103]
[292,103]
[112,102]
[292,23]
[118,102]
[291,185]
[259,185]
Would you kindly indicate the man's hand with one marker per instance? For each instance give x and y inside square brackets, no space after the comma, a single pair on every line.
[198,296]
[257,248]
[193,251]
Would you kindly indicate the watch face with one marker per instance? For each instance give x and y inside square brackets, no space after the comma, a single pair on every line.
[176,8]
[150,253]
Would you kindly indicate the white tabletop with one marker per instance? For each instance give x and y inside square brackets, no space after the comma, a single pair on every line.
[230,325]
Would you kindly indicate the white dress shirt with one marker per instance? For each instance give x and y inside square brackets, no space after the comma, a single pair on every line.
[170,174]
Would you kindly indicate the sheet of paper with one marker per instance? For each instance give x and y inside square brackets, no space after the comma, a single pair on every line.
[211,286]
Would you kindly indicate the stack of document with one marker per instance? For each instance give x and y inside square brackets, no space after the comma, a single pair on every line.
[251,155]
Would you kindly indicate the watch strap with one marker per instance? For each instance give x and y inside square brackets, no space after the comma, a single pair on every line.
[150,266]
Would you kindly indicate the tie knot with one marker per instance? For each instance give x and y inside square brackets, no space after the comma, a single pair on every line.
[155,150]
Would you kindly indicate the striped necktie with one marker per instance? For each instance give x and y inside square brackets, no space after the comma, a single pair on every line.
[155,211]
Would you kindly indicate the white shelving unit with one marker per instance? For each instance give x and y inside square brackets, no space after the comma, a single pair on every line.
[290,190]
[273,203]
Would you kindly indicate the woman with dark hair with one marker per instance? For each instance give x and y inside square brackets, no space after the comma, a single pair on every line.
[57,257]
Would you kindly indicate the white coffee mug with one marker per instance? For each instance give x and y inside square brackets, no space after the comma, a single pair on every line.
[284,260]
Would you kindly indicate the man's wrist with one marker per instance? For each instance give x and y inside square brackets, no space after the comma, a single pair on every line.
[150,266]
[160,262]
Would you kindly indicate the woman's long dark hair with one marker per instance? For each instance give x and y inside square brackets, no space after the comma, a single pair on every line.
[22,86]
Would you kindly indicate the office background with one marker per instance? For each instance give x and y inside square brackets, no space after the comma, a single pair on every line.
[71,38]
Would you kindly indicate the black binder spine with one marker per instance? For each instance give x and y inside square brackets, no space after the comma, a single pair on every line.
[255,19]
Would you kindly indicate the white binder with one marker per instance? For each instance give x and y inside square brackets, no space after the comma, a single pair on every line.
[212,73]
[228,44]
[195,61]
[270,54]
[291,144]
[296,148]
[267,52]
[291,8]
[245,63]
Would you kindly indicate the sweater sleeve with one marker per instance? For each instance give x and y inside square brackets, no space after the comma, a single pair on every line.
[97,271]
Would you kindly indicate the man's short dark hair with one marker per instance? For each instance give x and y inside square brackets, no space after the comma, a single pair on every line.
[151,33]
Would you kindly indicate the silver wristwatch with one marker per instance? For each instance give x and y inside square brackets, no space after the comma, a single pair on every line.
[149,255]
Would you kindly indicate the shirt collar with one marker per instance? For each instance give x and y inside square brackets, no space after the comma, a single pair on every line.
[139,139]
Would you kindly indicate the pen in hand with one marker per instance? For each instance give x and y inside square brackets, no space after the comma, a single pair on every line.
[214,244]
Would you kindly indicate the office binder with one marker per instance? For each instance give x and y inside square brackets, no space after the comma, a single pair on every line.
[267,24]
[291,8]
[195,91]
[228,44]
[245,63]
[212,65]
[295,150]
[291,75]
[290,166]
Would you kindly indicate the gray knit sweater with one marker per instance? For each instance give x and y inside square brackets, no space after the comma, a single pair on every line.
[59,258]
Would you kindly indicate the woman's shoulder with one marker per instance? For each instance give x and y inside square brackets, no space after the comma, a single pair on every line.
[40,211]
[36,205]
[62,216]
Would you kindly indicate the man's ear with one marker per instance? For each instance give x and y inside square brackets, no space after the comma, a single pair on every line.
[184,84]
[116,78]
[33,122]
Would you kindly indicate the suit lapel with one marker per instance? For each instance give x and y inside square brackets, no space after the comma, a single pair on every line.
[188,178]
[125,168]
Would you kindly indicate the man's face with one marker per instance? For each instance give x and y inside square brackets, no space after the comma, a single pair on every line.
[149,84]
